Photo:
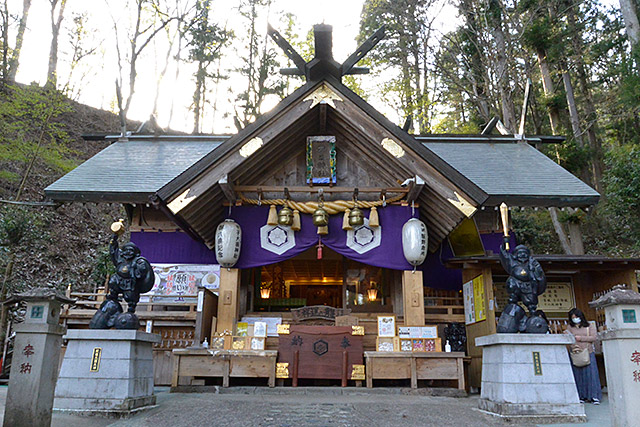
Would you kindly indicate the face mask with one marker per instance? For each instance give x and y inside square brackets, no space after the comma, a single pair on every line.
[576,321]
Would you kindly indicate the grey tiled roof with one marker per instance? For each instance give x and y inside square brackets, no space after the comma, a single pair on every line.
[129,171]
[132,171]
[518,170]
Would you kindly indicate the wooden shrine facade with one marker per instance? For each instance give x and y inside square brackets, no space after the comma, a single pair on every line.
[187,185]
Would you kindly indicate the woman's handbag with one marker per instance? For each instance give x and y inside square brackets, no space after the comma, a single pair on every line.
[581,358]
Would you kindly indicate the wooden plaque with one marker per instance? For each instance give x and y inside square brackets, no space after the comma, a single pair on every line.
[321,351]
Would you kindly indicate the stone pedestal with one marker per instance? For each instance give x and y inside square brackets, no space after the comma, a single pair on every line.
[528,377]
[106,372]
[36,353]
[621,348]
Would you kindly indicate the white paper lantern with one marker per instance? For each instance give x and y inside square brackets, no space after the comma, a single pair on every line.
[414,241]
[228,240]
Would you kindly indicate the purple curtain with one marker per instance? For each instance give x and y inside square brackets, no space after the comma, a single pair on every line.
[388,255]
[176,247]
[179,248]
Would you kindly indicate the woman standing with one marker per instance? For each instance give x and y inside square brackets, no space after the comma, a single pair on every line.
[583,357]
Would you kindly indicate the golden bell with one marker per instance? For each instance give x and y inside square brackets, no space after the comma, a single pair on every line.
[356,217]
[320,218]
[285,216]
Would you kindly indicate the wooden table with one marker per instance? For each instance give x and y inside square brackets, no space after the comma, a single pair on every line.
[415,366]
[225,364]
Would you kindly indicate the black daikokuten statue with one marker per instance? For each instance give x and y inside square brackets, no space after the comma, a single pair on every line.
[134,276]
[525,283]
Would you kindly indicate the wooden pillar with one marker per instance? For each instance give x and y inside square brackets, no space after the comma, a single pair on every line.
[228,299]
[482,328]
[413,298]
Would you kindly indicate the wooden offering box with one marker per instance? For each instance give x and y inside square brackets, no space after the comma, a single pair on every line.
[320,352]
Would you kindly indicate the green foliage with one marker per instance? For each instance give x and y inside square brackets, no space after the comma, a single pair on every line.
[102,267]
[404,55]
[539,35]
[556,101]
[29,130]
[8,175]
[534,229]
[622,182]
[353,83]
[17,225]
[260,63]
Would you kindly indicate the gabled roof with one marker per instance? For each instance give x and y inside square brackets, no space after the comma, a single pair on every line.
[515,173]
[235,142]
[185,178]
[446,199]
[131,171]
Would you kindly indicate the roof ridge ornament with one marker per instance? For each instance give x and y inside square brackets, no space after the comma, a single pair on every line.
[323,64]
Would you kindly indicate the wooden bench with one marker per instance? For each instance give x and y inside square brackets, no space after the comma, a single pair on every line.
[414,366]
[224,363]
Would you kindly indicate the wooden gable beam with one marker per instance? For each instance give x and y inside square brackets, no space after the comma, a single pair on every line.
[288,50]
[383,141]
[415,188]
[246,148]
[361,51]
[227,189]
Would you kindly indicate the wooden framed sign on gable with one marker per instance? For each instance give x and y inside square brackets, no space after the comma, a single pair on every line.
[321,160]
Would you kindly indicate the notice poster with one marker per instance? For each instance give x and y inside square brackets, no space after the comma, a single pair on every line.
[478,298]
[180,282]
[270,323]
[474,306]
[469,309]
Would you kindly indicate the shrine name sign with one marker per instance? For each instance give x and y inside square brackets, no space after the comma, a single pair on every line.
[323,312]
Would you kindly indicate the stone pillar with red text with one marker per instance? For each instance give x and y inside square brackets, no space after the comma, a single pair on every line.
[36,356]
[621,348]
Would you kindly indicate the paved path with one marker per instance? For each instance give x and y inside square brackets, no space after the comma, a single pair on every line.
[308,407]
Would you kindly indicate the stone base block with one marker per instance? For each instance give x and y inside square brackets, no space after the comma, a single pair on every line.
[107,372]
[541,413]
[528,377]
[115,408]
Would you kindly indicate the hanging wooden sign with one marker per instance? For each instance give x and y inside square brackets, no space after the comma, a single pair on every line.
[317,312]
[321,160]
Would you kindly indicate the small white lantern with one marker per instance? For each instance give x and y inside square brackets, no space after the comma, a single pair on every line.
[228,240]
[414,241]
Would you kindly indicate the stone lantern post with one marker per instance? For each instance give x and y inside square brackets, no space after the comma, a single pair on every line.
[621,348]
[36,355]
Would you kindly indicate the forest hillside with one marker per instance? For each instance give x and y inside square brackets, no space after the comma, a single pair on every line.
[572,67]
[40,141]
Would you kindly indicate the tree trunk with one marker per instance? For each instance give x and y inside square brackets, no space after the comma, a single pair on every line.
[506,100]
[53,50]
[15,56]
[573,109]
[591,117]
[562,235]
[3,295]
[5,44]
[549,91]
[575,120]
[477,66]
[575,234]
[630,16]
[197,98]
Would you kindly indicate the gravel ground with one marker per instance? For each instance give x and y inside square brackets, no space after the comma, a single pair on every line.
[202,409]
[301,407]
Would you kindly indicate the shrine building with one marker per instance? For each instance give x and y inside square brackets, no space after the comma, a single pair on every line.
[379,226]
